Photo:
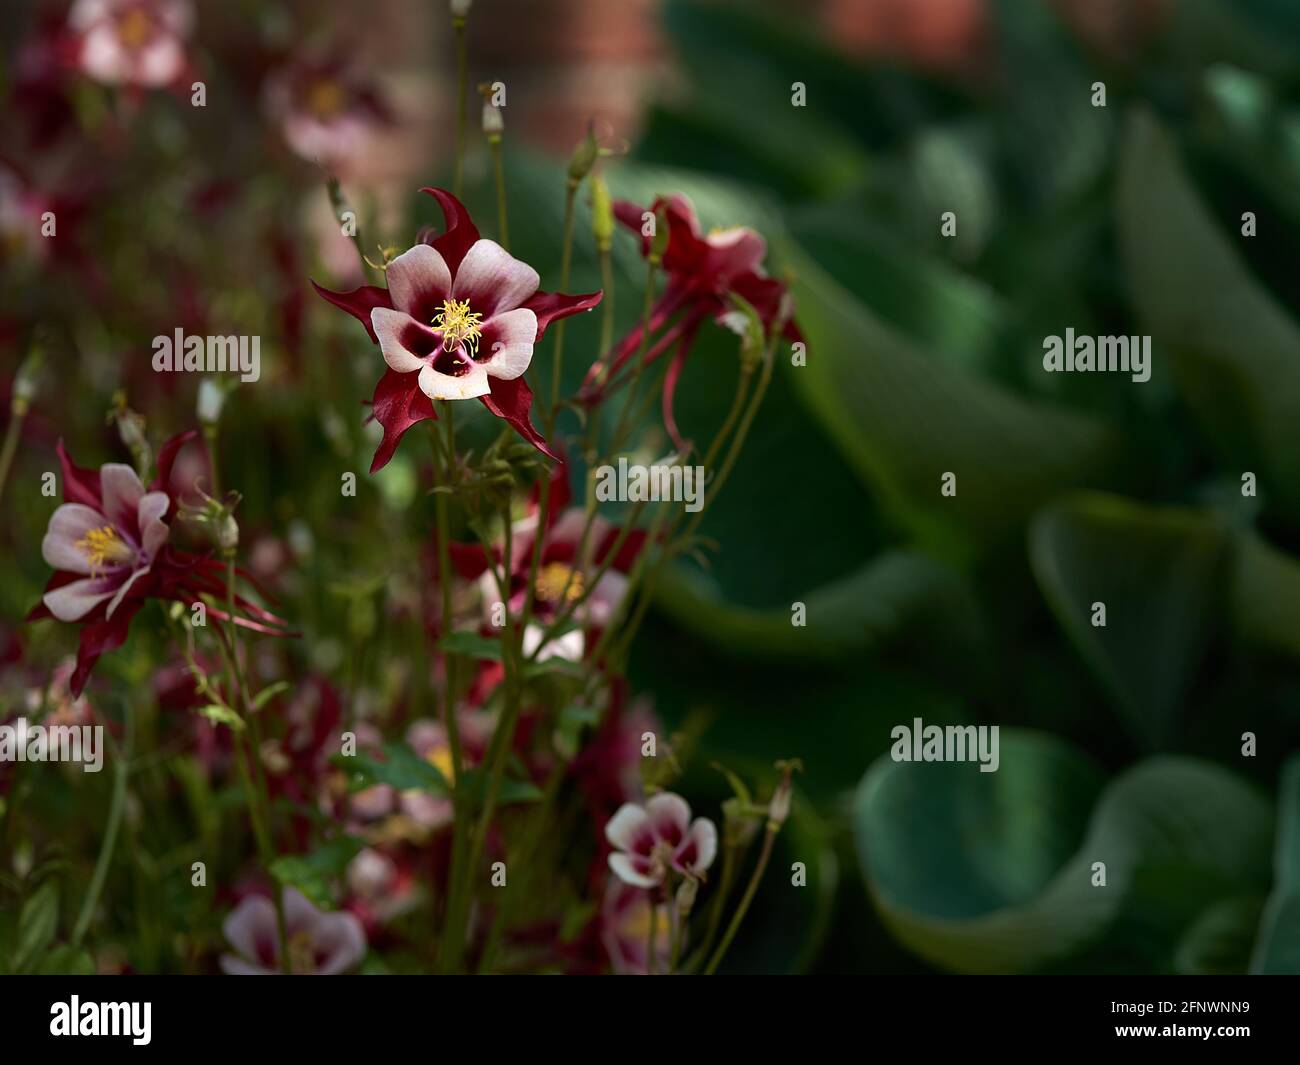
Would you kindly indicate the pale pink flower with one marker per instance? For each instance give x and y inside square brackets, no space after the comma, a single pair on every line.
[650,840]
[625,929]
[320,944]
[132,42]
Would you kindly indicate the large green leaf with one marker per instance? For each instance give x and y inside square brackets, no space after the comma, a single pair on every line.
[1158,571]
[904,419]
[1266,595]
[1232,347]
[1277,950]
[995,872]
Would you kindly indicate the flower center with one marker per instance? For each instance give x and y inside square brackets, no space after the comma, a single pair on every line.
[302,953]
[554,578]
[325,98]
[103,547]
[134,28]
[459,325]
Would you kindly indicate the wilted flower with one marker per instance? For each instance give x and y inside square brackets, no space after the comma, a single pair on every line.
[650,840]
[107,545]
[702,271]
[458,320]
[320,944]
[131,42]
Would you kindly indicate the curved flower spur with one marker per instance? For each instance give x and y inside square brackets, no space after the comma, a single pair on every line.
[459,320]
[108,545]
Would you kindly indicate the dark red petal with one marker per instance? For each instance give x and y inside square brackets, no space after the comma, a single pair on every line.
[459,234]
[166,460]
[359,303]
[512,401]
[548,306]
[99,639]
[398,404]
[469,561]
[631,215]
[670,385]
[79,485]
[627,553]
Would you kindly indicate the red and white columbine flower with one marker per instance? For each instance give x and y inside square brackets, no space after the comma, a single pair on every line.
[108,547]
[458,320]
[660,836]
[326,113]
[320,944]
[131,42]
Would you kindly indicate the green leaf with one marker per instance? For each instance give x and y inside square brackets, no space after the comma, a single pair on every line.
[400,768]
[222,715]
[270,692]
[1266,595]
[472,645]
[314,874]
[993,872]
[1219,941]
[904,419]
[67,960]
[1159,571]
[1277,949]
[36,925]
[1232,347]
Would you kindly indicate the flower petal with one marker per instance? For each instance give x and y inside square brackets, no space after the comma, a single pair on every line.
[359,303]
[74,601]
[149,517]
[548,306]
[340,937]
[669,816]
[397,405]
[469,385]
[512,400]
[698,849]
[121,592]
[506,346]
[122,494]
[418,282]
[402,340]
[460,232]
[492,280]
[633,871]
[629,829]
[69,524]
[80,485]
[248,924]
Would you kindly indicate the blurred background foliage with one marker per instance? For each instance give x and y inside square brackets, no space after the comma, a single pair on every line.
[1122,744]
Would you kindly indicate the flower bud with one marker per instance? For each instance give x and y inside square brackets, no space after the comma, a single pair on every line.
[460,8]
[779,807]
[739,826]
[493,125]
[690,887]
[130,427]
[227,532]
[602,213]
[584,156]
[211,398]
[659,243]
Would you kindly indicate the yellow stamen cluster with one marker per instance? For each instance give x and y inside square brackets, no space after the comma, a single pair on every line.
[554,578]
[103,547]
[325,98]
[134,28]
[459,325]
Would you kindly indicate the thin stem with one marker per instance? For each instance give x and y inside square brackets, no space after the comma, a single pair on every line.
[462,88]
[116,805]
[498,170]
[769,838]
[11,441]
[566,261]
[652,938]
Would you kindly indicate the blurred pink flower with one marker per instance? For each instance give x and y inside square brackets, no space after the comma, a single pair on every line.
[625,928]
[651,839]
[326,114]
[320,944]
[131,42]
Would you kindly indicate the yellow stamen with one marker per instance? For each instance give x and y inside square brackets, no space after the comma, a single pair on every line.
[325,98]
[554,578]
[459,326]
[103,547]
[134,28]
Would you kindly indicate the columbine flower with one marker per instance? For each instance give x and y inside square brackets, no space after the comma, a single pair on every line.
[320,944]
[625,928]
[325,112]
[458,320]
[650,840]
[107,545]
[132,42]
[702,270]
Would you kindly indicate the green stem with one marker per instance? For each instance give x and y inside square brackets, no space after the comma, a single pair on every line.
[498,169]
[652,939]
[566,260]
[462,88]
[116,805]
[769,838]
[11,441]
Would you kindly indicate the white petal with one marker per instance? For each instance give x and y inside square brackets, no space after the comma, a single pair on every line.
[670,815]
[418,282]
[507,345]
[69,524]
[436,385]
[628,824]
[622,866]
[121,492]
[493,280]
[388,326]
[121,592]
[153,530]
[74,601]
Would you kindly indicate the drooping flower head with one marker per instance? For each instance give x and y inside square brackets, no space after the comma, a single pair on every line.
[660,836]
[458,320]
[108,546]
[320,943]
[702,270]
[139,43]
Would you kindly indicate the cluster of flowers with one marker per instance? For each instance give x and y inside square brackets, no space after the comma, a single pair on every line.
[543,600]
